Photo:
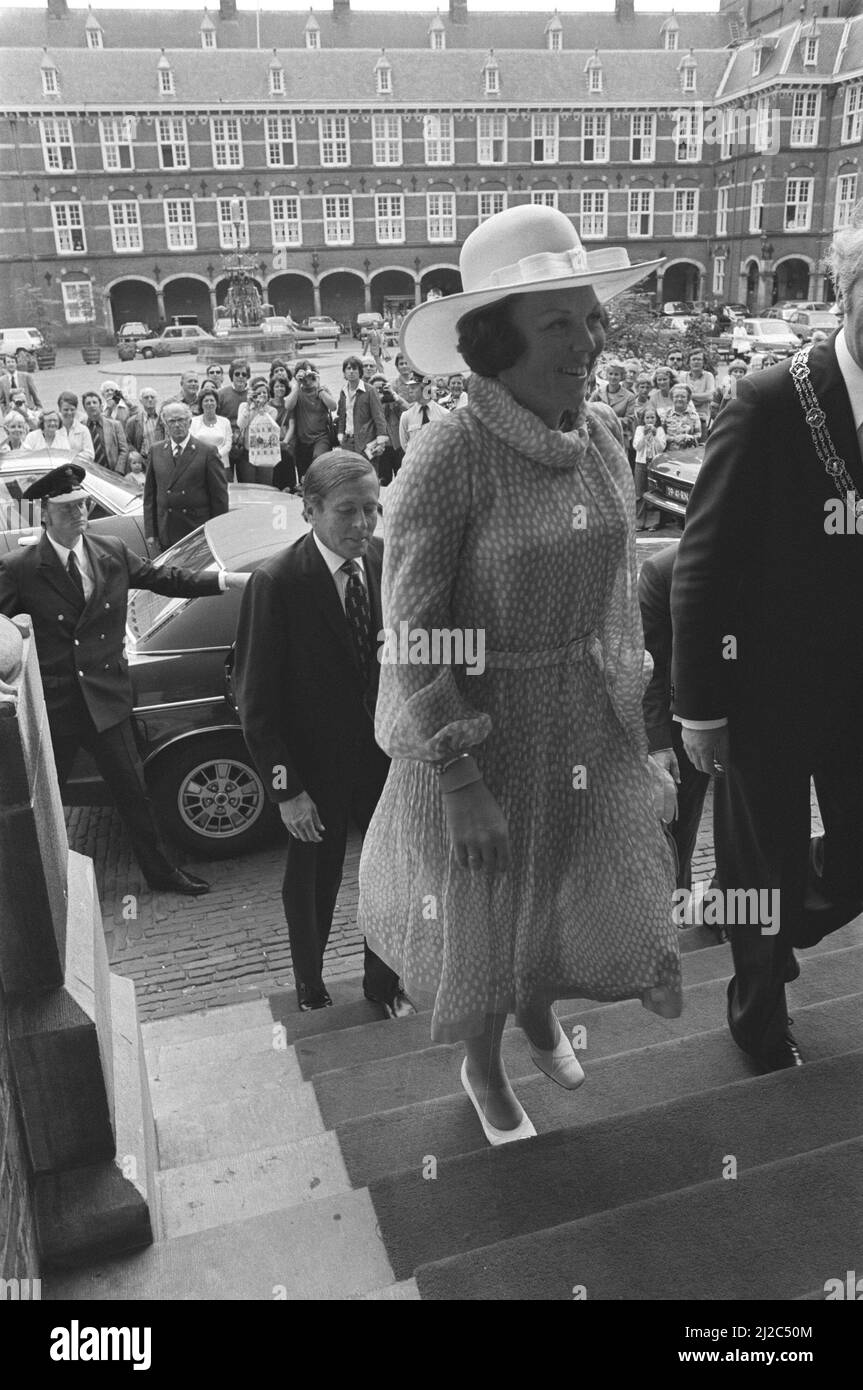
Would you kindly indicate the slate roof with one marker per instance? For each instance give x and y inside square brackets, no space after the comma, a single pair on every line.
[127,28]
[785,62]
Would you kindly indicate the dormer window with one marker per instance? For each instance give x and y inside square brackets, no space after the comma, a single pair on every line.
[757,58]
[491,72]
[687,73]
[313,32]
[277,77]
[208,33]
[384,76]
[593,69]
[50,82]
[437,34]
[810,52]
[554,34]
[670,32]
[93,30]
[166,77]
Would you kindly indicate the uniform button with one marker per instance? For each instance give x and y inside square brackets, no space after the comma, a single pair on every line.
[77,643]
[101,636]
[107,605]
[59,617]
[80,673]
[105,667]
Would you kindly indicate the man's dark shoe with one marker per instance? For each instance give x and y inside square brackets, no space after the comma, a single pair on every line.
[786,1054]
[309,998]
[400,1006]
[178,881]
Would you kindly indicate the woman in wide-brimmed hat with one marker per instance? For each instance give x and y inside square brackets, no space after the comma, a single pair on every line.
[516,855]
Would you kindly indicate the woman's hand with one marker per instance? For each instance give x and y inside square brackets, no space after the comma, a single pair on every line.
[664,791]
[478,828]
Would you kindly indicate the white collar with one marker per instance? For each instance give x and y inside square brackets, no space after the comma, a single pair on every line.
[64,552]
[852,375]
[360,386]
[175,446]
[334,562]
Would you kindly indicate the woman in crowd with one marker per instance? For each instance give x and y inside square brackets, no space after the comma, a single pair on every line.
[16,430]
[727,391]
[248,421]
[648,441]
[660,396]
[231,396]
[390,461]
[285,476]
[212,428]
[516,855]
[44,436]
[682,423]
[613,392]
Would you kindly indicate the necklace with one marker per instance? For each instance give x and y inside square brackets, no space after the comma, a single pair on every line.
[828,456]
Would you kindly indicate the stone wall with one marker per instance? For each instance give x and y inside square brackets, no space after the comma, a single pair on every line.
[18,1255]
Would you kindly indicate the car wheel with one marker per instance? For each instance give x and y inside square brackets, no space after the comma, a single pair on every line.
[210,799]
[147,352]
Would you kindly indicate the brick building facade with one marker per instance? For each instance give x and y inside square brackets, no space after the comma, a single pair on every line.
[352,153]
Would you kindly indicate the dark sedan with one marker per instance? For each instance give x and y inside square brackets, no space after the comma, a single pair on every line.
[671,478]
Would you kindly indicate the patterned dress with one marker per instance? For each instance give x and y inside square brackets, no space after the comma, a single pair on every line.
[522,534]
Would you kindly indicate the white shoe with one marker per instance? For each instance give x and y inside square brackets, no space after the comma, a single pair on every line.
[524,1130]
[561,1064]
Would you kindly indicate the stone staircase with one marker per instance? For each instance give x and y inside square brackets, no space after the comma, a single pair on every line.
[333,1156]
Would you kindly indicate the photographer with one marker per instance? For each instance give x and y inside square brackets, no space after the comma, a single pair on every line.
[390,461]
[310,405]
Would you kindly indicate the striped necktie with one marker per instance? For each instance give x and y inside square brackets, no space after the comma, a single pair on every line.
[99,455]
[359,617]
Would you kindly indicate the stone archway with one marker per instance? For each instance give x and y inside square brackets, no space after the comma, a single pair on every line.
[393,293]
[291,294]
[342,297]
[133,301]
[792,279]
[444,279]
[185,295]
[681,281]
[749,281]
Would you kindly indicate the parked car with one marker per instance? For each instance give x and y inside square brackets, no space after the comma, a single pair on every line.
[763,335]
[804,324]
[789,307]
[176,338]
[671,478]
[117,503]
[11,339]
[134,333]
[207,792]
[673,308]
[323,327]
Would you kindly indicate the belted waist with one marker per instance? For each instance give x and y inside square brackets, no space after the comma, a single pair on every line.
[541,656]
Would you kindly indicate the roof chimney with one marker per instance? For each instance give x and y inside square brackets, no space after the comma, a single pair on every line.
[458,11]
[624,11]
[227,9]
[58,9]
[341,9]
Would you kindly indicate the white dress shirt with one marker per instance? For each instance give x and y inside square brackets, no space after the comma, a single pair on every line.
[77,439]
[350,400]
[334,564]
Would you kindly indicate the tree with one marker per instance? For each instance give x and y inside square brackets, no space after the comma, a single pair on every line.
[635,329]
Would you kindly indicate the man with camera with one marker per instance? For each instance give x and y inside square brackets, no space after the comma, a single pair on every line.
[311,406]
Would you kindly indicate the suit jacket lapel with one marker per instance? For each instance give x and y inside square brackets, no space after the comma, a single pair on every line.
[100,563]
[833,398]
[181,464]
[52,570]
[327,598]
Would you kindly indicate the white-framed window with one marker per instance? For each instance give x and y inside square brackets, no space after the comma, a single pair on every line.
[726,132]
[277,82]
[438,40]
[846,197]
[852,117]
[180,231]
[719,275]
[798,204]
[687,135]
[227,142]
[385,80]
[285,220]
[440,216]
[389,218]
[491,139]
[166,82]
[386,139]
[762,125]
[689,78]
[810,53]
[439,142]
[227,239]
[756,206]
[757,60]
[58,149]
[313,38]
[208,38]
[594,80]
[555,41]
[79,306]
[594,214]
[117,135]
[281,141]
[642,138]
[173,142]
[50,82]
[544,137]
[94,38]
[125,215]
[69,235]
[685,219]
[671,38]
[338,219]
[640,216]
[723,199]
[594,137]
[492,82]
[805,110]
[490,203]
[334,141]
[544,197]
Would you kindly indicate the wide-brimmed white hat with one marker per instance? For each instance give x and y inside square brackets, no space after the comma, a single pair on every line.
[519,251]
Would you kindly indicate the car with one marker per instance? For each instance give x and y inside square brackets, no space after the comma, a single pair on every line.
[177,338]
[671,478]
[323,327]
[11,339]
[804,324]
[789,307]
[117,503]
[763,335]
[208,795]
[134,333]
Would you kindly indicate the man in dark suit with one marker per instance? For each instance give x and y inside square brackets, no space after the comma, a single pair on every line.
[14,379]
[185,483]
[768,648]
[110,445]
[75,589]
[664,735]
[306,681]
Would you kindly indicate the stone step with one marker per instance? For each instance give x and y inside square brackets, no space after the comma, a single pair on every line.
[214,1081]
[236,1125]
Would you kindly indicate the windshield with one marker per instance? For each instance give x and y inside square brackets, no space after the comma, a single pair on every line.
[773,329]
[122,494]
[147,611]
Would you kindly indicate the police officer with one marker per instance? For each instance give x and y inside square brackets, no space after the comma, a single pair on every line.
[75,588]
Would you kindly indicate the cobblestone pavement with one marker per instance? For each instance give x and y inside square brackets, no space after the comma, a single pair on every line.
[193,953]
